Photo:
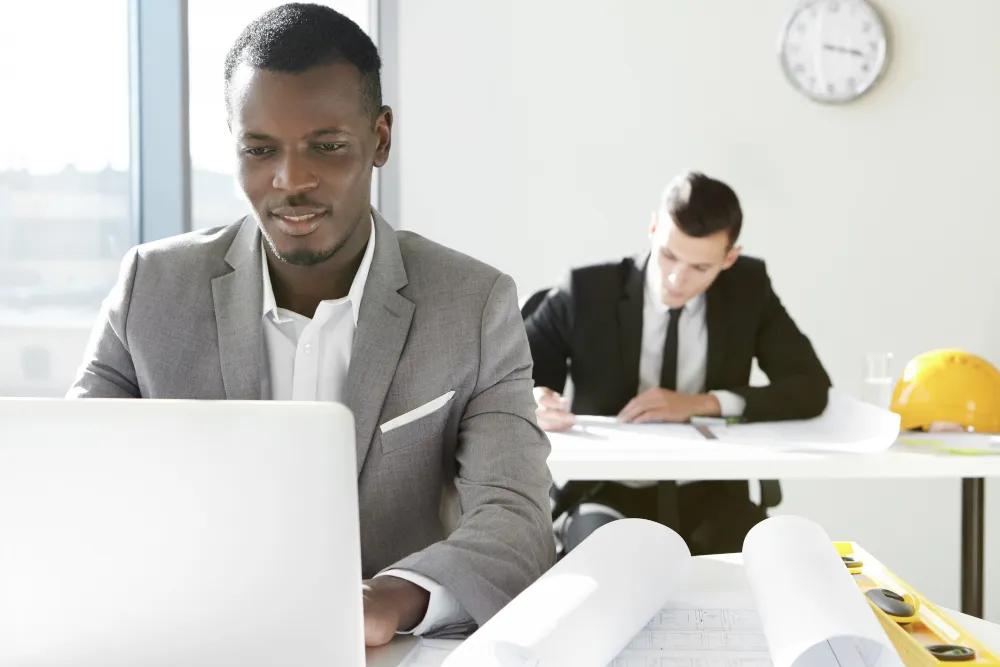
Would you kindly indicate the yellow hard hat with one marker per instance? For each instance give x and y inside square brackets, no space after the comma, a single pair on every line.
[948,386]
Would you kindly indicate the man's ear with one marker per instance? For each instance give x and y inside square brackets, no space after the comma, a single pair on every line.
[731,257]
[652,224]
[383,135]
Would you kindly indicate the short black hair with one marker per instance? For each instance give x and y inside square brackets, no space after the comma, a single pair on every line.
[296,37]
[701,206]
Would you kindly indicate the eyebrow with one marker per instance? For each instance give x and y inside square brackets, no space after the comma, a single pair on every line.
[315,134]
[328,130]
[256,136]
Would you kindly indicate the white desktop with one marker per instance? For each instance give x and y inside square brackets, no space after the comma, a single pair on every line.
[165,533]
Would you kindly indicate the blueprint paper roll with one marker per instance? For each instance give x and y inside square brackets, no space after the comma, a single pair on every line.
[586,609]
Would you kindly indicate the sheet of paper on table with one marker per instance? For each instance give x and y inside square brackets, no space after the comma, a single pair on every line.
[847,425]
[431,653]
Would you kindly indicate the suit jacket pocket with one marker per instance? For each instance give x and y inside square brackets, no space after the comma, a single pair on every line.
[419,430]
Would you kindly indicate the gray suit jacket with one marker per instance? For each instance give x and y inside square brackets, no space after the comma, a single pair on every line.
[184,321]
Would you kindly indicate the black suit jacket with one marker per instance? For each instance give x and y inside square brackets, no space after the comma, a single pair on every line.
[591,327]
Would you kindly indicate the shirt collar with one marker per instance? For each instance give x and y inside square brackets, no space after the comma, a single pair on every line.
[354,295]
[651,292]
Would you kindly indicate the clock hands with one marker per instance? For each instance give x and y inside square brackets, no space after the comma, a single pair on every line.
[844,49]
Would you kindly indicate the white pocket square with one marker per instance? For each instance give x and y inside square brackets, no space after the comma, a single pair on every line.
[414,415]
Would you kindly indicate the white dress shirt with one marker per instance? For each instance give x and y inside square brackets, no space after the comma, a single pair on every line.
[307,359]
[692,349]
[692,344]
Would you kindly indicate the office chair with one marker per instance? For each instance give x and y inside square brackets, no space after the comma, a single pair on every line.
[531,304]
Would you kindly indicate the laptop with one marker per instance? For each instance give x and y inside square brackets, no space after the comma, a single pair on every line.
[160,533]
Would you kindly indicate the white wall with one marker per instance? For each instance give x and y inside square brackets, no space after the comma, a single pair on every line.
[537,134]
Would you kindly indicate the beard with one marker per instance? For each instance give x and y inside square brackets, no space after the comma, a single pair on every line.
[306,257]
[309,257]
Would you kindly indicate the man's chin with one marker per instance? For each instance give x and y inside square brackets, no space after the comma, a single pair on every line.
[301,256]
[305,257]
[295,250]
[671,301]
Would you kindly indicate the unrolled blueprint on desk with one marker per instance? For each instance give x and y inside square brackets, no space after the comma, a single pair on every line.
[599,428]
[713,630]
[847,425]
[431,653]
[617,600]
[604,433]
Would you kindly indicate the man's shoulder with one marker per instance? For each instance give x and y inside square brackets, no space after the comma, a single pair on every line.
[747,275]
[440,268]
[605,275]
[749,265]
[203,249]
[171,279]
[608,268]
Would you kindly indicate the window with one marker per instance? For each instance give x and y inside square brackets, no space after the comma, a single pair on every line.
[213,26]
[64,183]
[36,363]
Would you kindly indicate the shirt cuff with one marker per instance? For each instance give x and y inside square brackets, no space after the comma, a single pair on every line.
[442,607]
[732,404]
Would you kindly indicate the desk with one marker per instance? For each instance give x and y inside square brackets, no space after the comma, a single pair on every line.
[574,458]
[708,573]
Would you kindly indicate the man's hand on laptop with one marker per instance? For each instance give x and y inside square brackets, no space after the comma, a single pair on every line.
[392,605]
[552,412]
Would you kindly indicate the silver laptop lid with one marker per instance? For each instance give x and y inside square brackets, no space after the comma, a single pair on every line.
[168,533]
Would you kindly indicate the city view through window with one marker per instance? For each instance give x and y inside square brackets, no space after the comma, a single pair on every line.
[65,180]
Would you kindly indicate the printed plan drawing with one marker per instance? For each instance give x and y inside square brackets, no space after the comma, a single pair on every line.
[685,637]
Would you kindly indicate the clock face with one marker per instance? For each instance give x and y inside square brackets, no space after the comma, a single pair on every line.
[833,50]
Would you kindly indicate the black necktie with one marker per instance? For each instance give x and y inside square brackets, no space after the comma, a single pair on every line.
[667,510]
[668,373]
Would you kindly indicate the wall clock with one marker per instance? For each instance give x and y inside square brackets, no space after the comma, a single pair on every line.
[833,51]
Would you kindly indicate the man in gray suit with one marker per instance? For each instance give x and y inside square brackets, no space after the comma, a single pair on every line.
[315,297]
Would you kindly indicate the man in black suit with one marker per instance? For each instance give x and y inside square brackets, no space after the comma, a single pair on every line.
[667,337]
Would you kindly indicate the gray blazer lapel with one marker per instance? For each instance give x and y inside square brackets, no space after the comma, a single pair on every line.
[383,322]
[238,302]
